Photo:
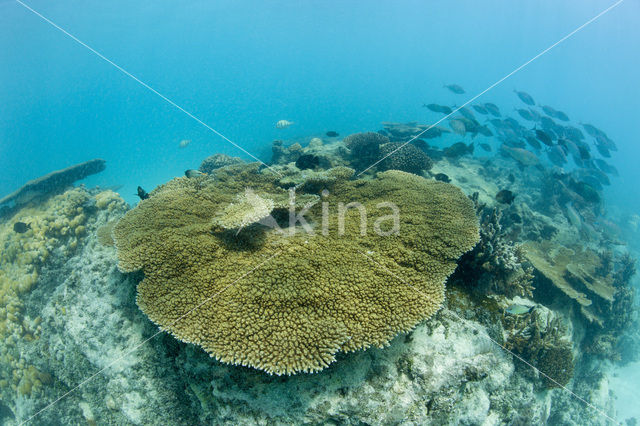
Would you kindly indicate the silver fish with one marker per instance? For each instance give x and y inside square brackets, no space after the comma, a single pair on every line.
[516,309]
[455,88]
[283,124]
[525,97]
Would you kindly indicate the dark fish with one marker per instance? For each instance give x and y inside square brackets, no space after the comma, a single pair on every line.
[587,190]
[511,178]
[533,142]
[191,173]
[485,131]
[486,147]
[535,114]
[587,175]
[512,123]
[584,152]
[442,177]
[592,130]
[606,167]
[561,116]
[603,151]
[557,156]
[458,90]
[142,193]
[332,134]
[525,97]
[505,196]
[547,123]
[515,143]
[434,132]
[307,161]
[544,137]
[522,156]
[21,227]
[457,150]
[569,147]
[497,123]
[604,140]
[551,112]
[573,133]
[493,109]
[466,113]
[480,109]
[421,144]
[438,108]
[526,114]
[457,125]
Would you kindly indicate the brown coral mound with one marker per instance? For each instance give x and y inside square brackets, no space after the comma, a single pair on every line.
[365,147]
[405,157]
[283,302]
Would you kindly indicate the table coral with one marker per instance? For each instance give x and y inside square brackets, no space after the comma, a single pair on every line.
[290,302]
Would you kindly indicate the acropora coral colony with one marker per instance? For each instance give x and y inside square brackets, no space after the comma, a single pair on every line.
[311,295]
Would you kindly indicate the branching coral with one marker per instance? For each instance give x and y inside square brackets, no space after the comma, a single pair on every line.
[495,263]
[541,339]
[289,303]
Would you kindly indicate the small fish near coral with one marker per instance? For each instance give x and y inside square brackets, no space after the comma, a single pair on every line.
[505,196]
[184,143]
[21,227]
[142,193]
[283,124]
[517,309]
[442,177]
[192,173]
[332,134]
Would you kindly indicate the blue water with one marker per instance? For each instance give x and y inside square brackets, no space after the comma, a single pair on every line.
[240,66]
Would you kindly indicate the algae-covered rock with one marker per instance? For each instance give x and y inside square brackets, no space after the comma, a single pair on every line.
[287,302]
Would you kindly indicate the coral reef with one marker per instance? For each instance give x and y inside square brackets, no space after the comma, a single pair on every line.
[57,228]
[495,264]
[405,157]
[364,148]
[216,161]
[306,302]
[572,270]
[79,315]
[542,339]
